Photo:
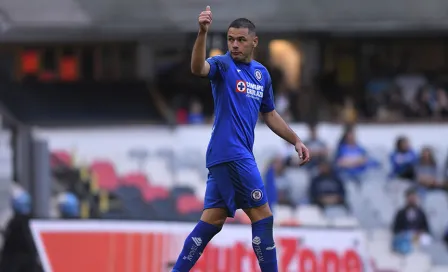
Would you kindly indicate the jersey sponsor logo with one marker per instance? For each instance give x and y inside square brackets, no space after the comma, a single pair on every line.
[258,75]
[241,86]
[252,90]
[255,93]
[254,87]
[257,195]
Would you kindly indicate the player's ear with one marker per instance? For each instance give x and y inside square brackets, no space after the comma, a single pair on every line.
[255,42]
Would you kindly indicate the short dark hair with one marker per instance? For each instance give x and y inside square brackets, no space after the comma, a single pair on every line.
[243,23]
[400,142]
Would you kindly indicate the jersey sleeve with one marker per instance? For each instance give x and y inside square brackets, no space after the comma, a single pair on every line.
[267,103]
[215,67]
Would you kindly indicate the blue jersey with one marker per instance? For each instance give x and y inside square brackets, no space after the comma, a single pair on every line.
[240,92]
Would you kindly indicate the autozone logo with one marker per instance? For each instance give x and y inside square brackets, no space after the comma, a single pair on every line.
[241,258]
[136,249]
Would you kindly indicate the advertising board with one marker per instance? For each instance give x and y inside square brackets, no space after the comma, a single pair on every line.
[97,246]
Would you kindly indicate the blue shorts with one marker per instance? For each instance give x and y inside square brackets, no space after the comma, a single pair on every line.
[235,185]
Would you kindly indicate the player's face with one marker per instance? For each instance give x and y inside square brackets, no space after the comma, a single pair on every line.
[241,43]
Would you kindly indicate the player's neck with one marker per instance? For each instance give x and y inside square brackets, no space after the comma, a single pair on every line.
[246,61]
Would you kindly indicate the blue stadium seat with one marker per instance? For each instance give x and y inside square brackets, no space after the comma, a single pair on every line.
[176,192]
[164,209]
[128,192]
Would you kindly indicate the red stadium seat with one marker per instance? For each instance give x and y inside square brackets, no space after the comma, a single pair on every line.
[61,157]
[152,193]
[105,175]
[290,223]
[188,203]
[160,192]
[135,179]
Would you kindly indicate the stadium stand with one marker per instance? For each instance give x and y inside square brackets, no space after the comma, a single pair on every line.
[88,96]
[153,193]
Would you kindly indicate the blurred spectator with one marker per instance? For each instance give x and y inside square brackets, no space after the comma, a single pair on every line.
[378,86]
[445,237]
[68,205]
[376,92]
[430,102]
[424,103]
[326,189]
[181,116]
[349,112]
[403,160]
[196,115]
[317,147]
[409,83]
[19,253]
[441,99]
[396,106]
[445,173]
[279,191]
[21,200]
[426,170]
[275,168]
[351,159]
[410,226]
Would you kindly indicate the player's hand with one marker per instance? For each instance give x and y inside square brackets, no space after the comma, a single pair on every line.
[205,19]
[304,153]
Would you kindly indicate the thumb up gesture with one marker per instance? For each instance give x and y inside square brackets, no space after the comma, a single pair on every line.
[205,19]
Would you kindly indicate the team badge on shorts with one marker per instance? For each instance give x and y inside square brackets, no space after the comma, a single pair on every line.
[258,75]
[256,195]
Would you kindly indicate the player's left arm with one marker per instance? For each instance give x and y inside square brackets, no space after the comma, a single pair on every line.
[276,123]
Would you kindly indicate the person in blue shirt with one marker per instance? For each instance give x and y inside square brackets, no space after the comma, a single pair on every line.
[242,88]
[275,193]
[196,116]
[269,178]
[403,160]
[351,159]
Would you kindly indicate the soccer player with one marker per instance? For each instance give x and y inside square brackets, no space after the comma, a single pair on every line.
[241,89]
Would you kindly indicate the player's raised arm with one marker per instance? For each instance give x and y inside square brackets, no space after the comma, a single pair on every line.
[199,66]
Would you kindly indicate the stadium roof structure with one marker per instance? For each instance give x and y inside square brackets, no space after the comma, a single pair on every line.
[31,19]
